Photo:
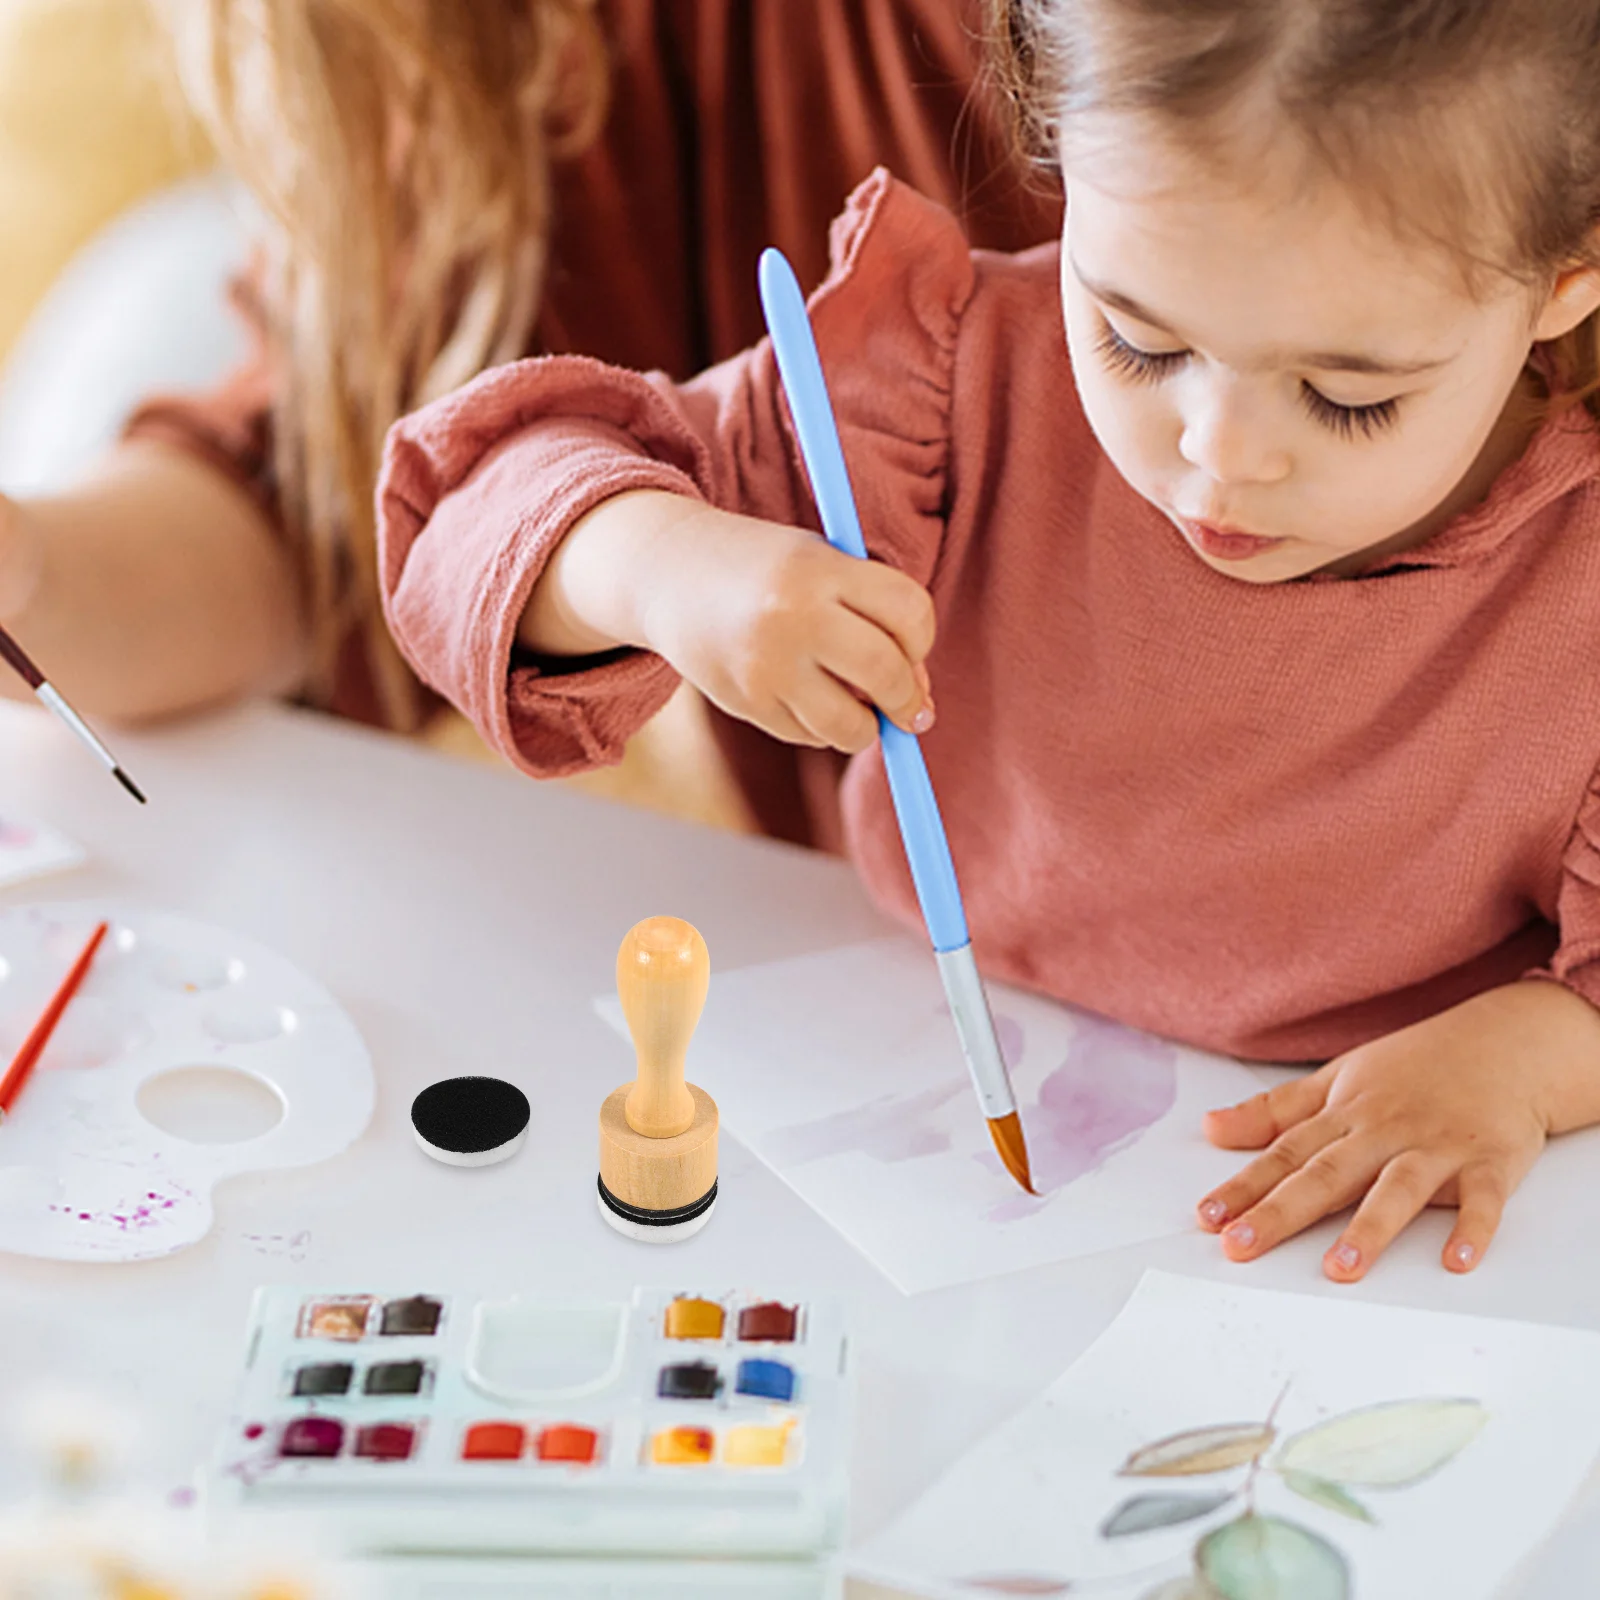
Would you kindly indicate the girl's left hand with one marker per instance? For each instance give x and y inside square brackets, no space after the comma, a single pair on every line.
[1450,1111]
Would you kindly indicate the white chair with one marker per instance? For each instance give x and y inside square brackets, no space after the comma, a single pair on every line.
[141,308]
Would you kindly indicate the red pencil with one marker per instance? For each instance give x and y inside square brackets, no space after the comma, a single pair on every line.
[33,1046]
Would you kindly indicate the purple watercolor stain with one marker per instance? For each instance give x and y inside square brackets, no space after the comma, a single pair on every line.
[148,1212]
[891,1129]
[1114,1083]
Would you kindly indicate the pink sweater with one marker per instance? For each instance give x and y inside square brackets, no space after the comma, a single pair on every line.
[1273,820]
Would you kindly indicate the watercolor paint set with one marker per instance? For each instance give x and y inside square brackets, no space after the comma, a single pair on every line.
[680,1423]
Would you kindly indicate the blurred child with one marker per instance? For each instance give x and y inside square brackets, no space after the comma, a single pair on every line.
[447,184]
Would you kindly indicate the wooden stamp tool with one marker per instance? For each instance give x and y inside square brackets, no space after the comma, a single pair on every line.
[658,1134]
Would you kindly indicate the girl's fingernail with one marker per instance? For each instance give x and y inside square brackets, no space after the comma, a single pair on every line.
[923,719]
[1241,1234]
[1346,1257]
[1464,1254]
[1214,1211]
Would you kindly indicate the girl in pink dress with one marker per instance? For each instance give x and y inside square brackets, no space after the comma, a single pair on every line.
[1239,556]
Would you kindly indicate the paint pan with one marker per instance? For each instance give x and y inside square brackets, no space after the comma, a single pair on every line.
[690,1423]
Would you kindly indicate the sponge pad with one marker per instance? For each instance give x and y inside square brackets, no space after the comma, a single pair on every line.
[470,1122]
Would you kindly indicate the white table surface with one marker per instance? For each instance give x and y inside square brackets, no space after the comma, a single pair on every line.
[466,917]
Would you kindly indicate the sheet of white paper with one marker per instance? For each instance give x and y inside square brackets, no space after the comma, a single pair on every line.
[1459,1486]
[29,850]
[842,1071]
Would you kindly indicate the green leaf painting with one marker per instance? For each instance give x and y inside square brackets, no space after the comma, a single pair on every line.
[1200,1450]
[1146,1511]
[1326,1494]
[1266,1558]
[1385,1446]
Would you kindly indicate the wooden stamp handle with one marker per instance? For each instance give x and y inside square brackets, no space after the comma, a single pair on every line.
[663,971]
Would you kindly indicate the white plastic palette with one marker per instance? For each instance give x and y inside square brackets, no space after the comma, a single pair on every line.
[680,1424]
[187,1056]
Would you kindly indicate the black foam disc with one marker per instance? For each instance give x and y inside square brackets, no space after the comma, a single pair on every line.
[470,1122]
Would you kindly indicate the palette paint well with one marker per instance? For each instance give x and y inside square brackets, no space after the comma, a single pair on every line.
[189,1055]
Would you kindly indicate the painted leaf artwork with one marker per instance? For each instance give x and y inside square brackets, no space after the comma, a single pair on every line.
[1200,1450]
[843,1073]
[1226,1443]
[1386,1446]
[1263,1557]
[1266,1558]
[1322,1492]
[1146,1511]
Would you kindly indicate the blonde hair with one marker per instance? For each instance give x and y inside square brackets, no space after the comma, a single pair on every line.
[1474,124]
[401,152]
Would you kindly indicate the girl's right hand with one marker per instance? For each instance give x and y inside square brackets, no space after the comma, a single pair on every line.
[777,627]
[769,622]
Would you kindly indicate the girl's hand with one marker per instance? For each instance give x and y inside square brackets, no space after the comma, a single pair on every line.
[777,627]
[1451,1111]
[769,622]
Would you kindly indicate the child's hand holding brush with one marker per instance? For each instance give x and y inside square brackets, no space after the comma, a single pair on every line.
[769,622]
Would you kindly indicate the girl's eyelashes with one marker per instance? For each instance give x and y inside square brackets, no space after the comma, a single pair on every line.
[1151,366]
[1348,421]
[1128,360]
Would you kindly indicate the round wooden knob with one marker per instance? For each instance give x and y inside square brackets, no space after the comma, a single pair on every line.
[663,971]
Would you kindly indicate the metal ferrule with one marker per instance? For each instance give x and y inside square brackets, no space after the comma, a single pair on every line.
[969,1005]
[50,698]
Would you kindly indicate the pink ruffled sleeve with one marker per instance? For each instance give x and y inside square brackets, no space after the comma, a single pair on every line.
[1576,962]
[479,488]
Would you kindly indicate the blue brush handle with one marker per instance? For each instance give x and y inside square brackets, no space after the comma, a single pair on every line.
[921,828]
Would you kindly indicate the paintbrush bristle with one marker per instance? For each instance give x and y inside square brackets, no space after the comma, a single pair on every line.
[128,784]
[1007,1135]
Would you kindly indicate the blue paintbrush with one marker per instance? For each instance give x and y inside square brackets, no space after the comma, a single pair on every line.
[927,848]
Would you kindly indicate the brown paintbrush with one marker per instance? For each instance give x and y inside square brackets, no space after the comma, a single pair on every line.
[18,658]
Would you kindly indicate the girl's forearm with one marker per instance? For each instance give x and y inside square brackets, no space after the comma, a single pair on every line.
[592,595]
[155,587]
